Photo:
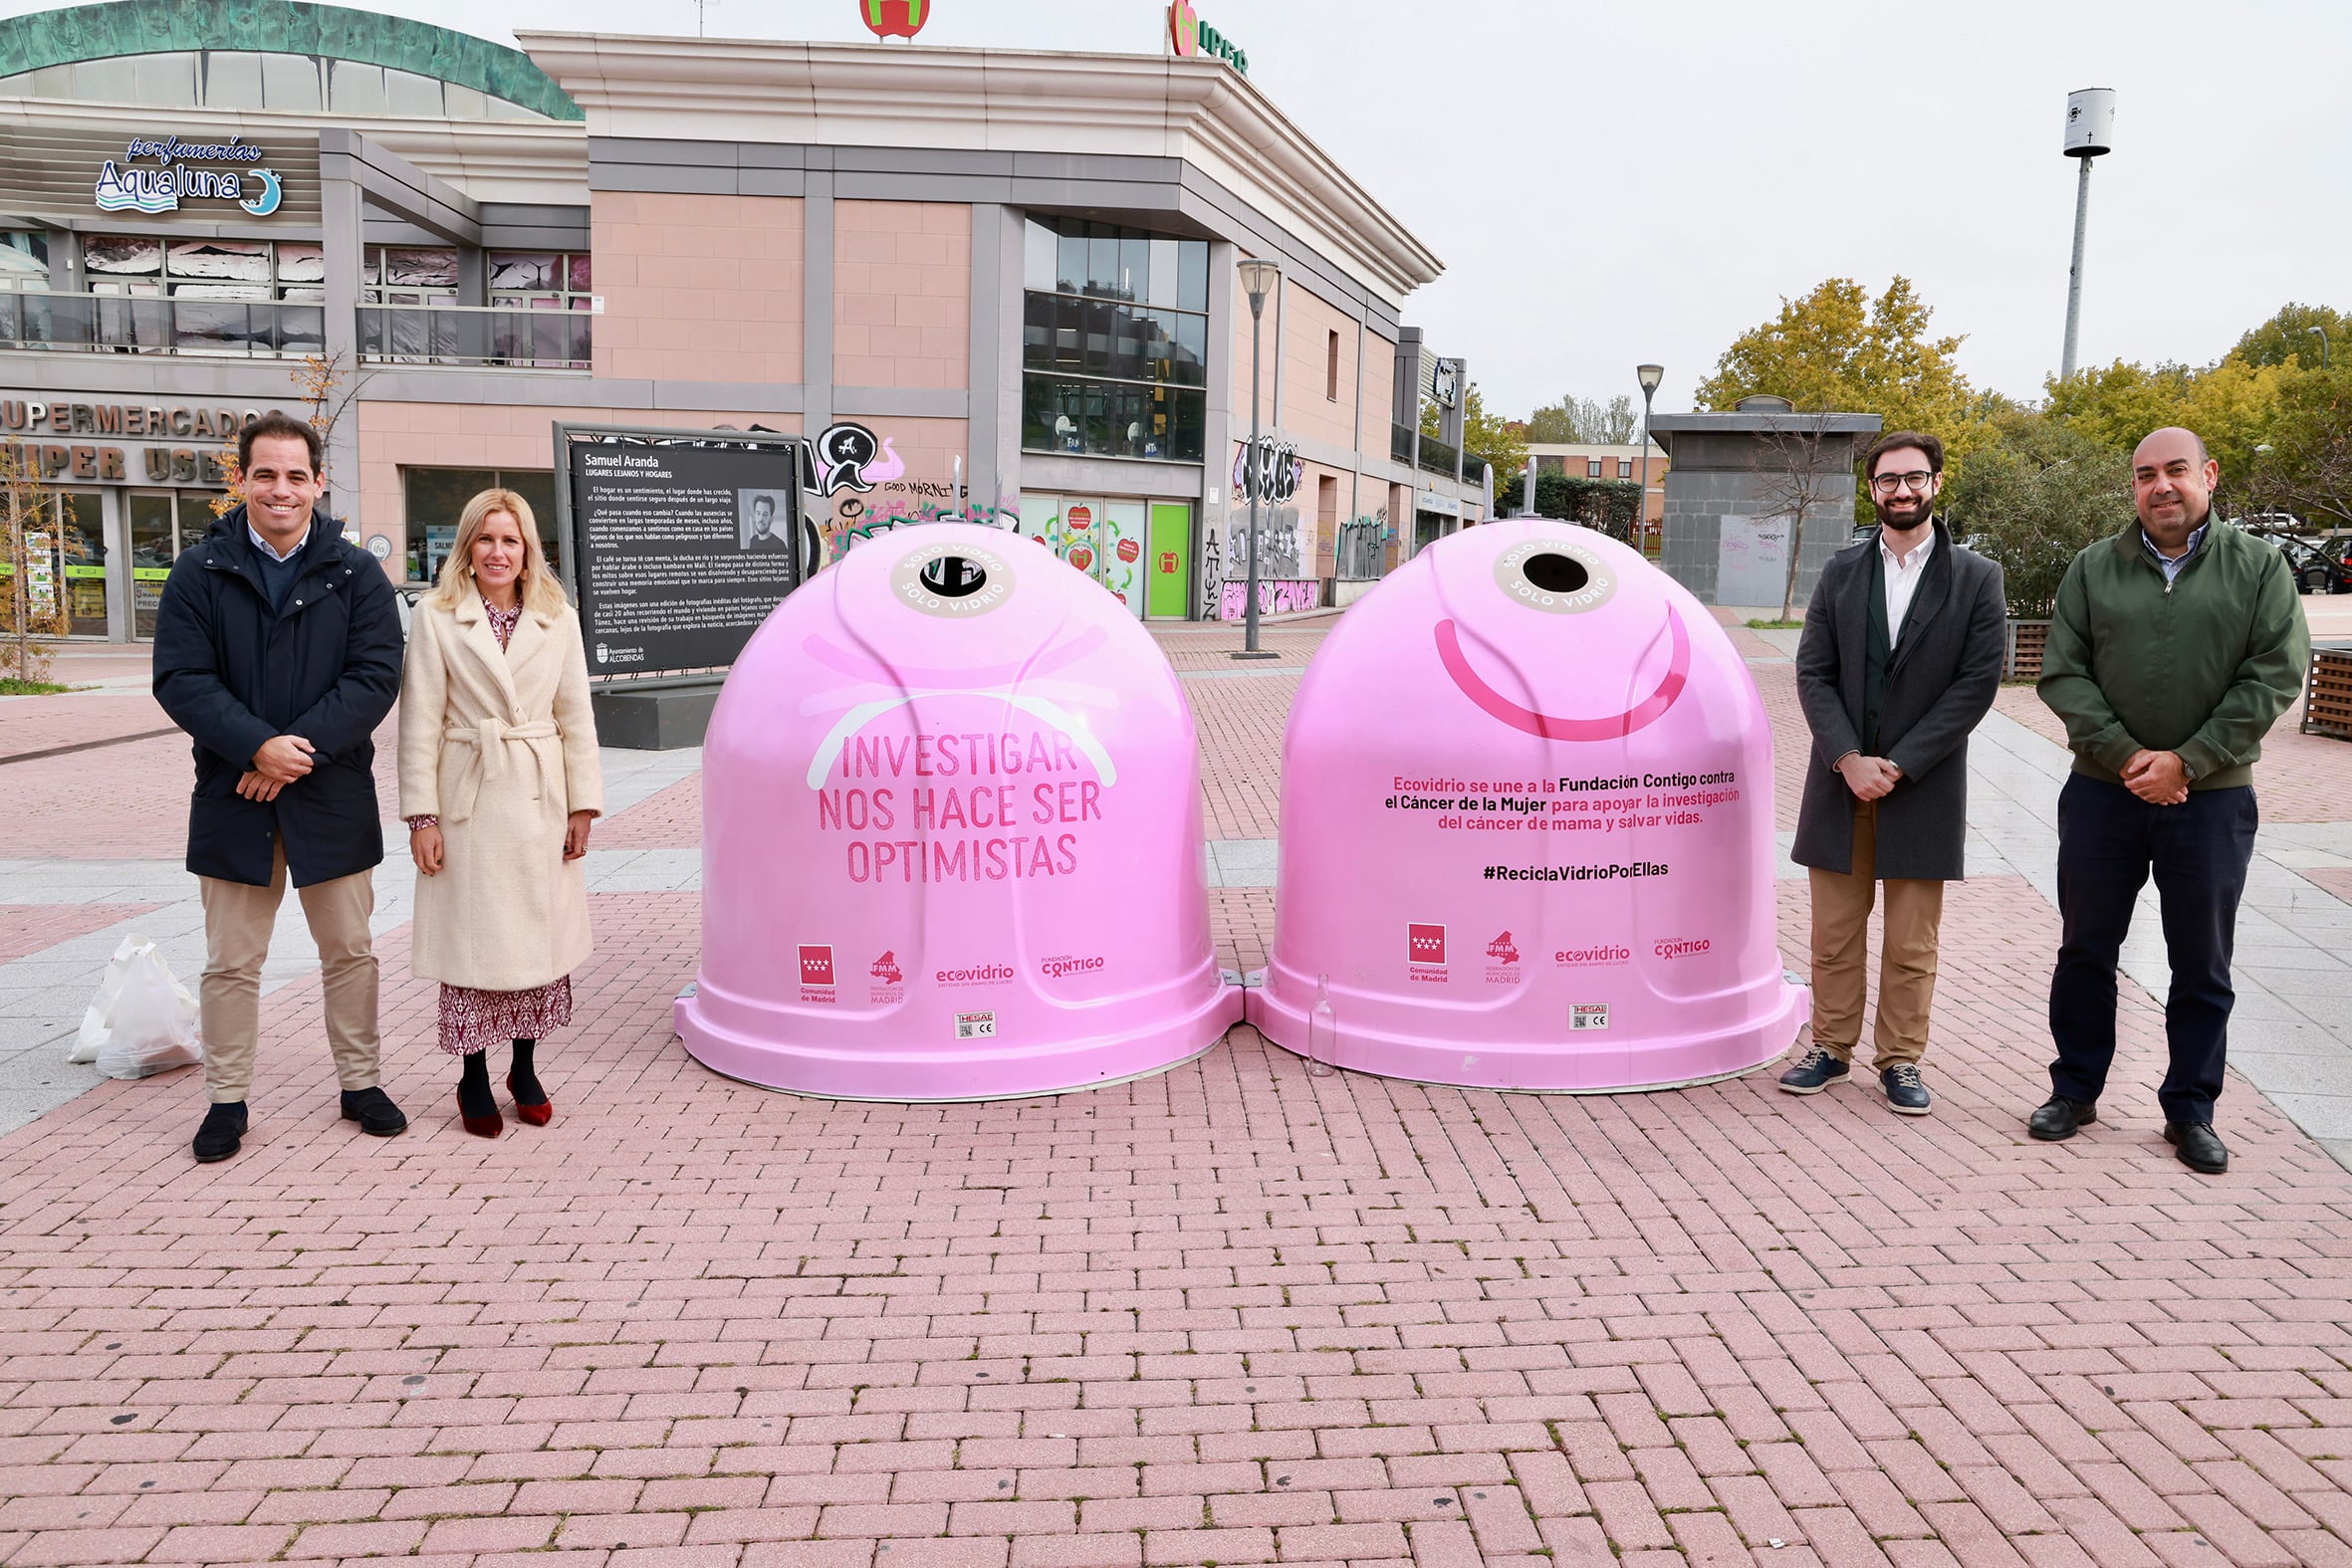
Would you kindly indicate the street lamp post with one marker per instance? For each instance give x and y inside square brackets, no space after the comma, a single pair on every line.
[2091,134]
[1258,278]
[1650,376]
[2321,333]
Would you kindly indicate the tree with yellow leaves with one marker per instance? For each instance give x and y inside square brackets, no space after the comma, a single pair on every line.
[1839,350]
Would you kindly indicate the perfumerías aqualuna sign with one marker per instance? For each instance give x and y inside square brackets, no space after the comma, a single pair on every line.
[178,175]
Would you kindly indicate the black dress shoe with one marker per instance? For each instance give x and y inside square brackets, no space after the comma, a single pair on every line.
[223,1131]
[2200,1146]
[2059,1117]
[374,1111]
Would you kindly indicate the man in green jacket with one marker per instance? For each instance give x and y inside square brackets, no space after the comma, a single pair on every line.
[2174,647]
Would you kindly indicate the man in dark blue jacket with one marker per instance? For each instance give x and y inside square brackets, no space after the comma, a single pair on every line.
[278,649]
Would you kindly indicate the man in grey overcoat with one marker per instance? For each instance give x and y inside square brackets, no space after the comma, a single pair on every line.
[1898,660]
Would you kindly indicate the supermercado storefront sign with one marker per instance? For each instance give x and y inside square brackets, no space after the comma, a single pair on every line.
[70,440]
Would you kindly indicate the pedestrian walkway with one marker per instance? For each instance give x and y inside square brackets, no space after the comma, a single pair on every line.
[1230,1314]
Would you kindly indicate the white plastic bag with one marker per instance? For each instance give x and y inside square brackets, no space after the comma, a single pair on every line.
[142,1019]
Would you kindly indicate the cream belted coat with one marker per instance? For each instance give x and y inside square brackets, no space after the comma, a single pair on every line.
[499,743]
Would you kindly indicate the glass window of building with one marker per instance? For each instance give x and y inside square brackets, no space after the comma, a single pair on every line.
[354,88]
[409,274]
[45,81]
[163,523]
[232,78]
[1625,468]
[113,81]
[246,79]
[548,279]
[291,82]
[435,497]
[167,80]
[24,256]
[1592,468]
[68,539]
[1115,342]
[406,92]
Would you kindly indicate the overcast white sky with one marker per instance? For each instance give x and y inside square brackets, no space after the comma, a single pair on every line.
[1612,184]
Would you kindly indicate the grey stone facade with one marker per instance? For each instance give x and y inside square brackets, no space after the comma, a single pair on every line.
[1733,464]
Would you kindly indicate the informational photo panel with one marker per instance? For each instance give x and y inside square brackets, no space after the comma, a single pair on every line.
[677,542]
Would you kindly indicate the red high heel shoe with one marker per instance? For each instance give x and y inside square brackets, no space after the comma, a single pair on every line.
[489,1126]
[537,1115]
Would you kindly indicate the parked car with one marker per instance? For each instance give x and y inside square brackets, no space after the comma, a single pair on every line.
[2316,571]
[2270,523]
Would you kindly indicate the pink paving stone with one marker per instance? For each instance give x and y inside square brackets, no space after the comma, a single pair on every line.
[26,929]
[1173,1548]
[809,1554]
[372,1538]
[213,1543]
[1078,1551]
[504,1532]
[87,1546]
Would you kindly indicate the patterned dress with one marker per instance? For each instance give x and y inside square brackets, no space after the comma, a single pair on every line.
[472,1019]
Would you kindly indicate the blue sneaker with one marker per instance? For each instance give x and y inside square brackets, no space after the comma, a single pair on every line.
[1814,1071]
[1907,1092]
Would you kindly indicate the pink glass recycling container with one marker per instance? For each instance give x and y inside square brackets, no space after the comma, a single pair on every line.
[952,837]
[1526,828]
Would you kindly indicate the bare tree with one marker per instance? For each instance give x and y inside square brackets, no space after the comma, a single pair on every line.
[1799,464]
[1586,422]
[33,613]
[327,384]
[1610,424]
[2313,482]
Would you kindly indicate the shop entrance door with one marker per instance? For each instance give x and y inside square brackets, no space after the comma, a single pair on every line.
[163,523]
[1119,566]
[1102,539]
[68,547]
[1170,550]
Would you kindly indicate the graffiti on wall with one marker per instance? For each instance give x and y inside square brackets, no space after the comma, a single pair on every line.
[1274,476]
[859,490]
[1275,597]
[858,522]
[1273,471]
[1279,549]
[1361,542]
[849,456]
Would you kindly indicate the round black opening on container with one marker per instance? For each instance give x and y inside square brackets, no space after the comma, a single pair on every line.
[954,576]
[1555,573]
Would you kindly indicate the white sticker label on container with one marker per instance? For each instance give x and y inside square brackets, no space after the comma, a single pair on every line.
[976,1026]
[1588,1015]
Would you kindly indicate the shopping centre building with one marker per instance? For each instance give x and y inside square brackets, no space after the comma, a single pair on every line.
[1014,271]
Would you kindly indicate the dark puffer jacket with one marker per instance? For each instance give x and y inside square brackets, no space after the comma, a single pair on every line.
[233,674]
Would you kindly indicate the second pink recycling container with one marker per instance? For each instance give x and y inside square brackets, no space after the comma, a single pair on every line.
[1526,830]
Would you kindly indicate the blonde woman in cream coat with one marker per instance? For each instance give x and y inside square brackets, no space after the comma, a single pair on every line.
[499,781]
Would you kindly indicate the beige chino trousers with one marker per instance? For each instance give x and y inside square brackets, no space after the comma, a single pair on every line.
[237,922]
[1907,959]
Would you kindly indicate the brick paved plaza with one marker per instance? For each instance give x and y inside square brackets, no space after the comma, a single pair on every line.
[1229,1314]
